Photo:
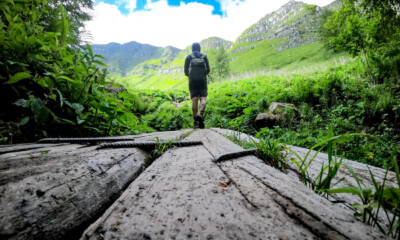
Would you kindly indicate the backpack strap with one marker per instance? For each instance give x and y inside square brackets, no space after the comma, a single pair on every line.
[203,56]
[192,55]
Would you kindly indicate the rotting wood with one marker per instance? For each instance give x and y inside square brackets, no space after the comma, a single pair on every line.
[55,195]
[185,195]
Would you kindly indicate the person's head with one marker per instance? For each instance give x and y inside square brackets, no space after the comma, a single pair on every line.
[196,47]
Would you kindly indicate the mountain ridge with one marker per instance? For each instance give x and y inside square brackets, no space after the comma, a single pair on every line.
[293,25]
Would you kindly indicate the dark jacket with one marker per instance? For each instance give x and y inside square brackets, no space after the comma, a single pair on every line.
[196,52]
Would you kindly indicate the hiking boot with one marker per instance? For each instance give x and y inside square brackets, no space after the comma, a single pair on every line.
[201,121]
[196,123]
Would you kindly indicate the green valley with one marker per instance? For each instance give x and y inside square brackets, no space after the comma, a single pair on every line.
[334,69]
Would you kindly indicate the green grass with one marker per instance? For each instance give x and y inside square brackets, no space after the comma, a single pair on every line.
[265,57]
[261,60]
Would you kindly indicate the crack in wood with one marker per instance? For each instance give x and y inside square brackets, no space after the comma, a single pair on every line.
[238,188]
[279,198]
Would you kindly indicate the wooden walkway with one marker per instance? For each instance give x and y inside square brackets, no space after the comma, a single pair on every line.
[75,191]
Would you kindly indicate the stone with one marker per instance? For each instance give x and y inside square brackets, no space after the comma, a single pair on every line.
[273,117]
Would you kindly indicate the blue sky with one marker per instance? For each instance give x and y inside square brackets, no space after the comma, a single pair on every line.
[140,5]
[176,23]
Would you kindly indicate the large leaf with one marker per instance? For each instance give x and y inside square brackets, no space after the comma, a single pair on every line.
[39,110]
[23,121]
[18,77]
[77,107]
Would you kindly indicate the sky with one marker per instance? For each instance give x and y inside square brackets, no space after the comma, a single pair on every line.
[176,23]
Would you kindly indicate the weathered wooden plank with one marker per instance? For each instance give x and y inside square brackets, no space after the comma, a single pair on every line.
[30,153]
[23,147]
[179,196]
[239,135]
[290,188]
[170,135]
[56,195]
[184,194]
[322,158]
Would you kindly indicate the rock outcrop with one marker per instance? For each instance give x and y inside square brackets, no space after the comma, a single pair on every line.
[295,23]
[277,114]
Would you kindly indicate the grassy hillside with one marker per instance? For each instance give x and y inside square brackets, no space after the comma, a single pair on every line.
[164,74]
[263,56]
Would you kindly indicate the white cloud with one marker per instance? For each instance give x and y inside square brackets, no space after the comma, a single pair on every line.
[163,25]
[129,4]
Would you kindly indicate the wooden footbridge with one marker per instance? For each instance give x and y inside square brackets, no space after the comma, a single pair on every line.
[64,190]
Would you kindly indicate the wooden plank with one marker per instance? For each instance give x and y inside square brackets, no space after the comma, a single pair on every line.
[184,194]
[58,194]
[30,153]
[239,135]
[170,135]
[179,197]
[23,147]
[360,169]
[322,158]
[211,138]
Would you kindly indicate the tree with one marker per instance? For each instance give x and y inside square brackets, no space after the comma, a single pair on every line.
[369,29]
[219,65]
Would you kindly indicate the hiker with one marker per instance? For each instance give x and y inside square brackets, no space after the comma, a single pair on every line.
[197,68]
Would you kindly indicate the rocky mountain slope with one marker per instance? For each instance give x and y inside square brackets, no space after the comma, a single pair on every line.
[280,38]
[123,57]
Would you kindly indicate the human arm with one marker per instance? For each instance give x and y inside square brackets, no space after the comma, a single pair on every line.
[207,65]
[186,69]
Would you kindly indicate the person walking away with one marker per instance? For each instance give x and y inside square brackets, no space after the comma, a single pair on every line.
[197,68]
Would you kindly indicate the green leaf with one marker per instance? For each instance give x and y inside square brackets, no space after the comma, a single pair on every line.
[18,77]
[78,108]
[68,121]
[61,97]
[89,48]
[69,79]
[352,190]
[80,121]
[247,110]
[391,196]
[22,103]
[39,110]
[23,121]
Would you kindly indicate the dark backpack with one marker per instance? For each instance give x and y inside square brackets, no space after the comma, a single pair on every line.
[197,68]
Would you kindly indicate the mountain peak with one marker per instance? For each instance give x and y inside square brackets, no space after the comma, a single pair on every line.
[295,21]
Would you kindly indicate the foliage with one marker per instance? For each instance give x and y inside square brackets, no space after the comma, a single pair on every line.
[385,198]
[340,97]
[369,29]
[271,151]
[235,137]
[49,85]
[219,65]
[161,148]
[324,179]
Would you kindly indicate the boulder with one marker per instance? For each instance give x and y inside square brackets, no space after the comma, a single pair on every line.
[275,116]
